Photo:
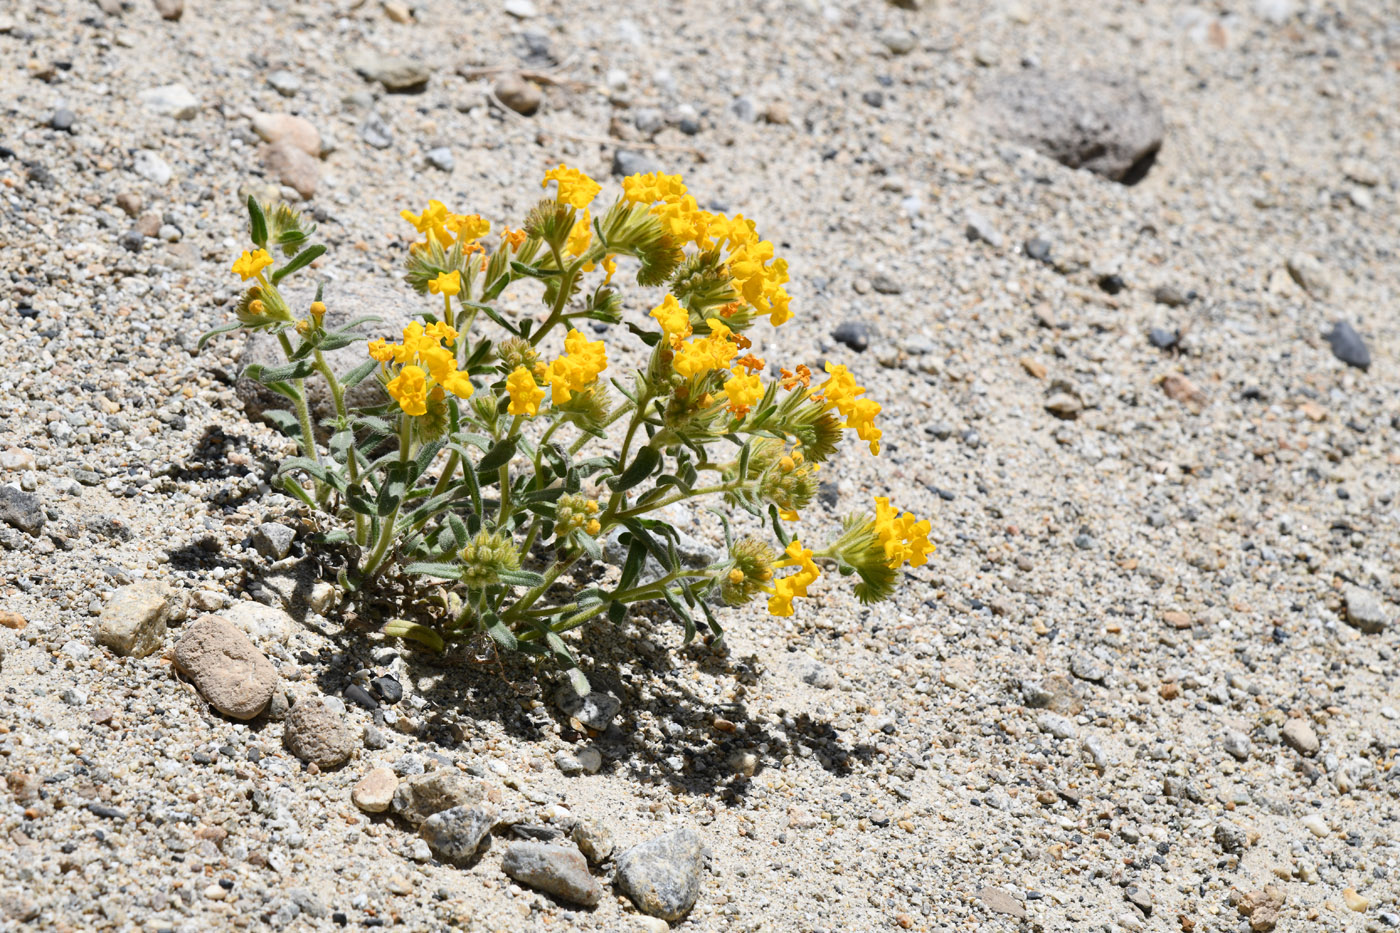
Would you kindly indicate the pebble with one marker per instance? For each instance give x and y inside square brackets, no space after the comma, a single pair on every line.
[594,839]
[1315,824]
[398,73]
[596,710]
[1231,838]
[1038,249]
[1001,901]
[1087,667]
[151,167]
[375,791]
[522,9]
[170,100]
[1348,346]
[1060,727]
[420,796]
[519,94]
[228,671]
[853,334]
[170,10]
[1301,737]
[898,41]
[63,119]
[978,227]
[273,540]
[133,622]
[387,688]
[1172,297]
[22,510]
[375,131]
[1309,272]
[317,734]
[456,833]
[662,876]
[627,163]
[1237,744]
[284,82]
[1163,339]
[440,158]
[292,166]
[559,870]
[278,128]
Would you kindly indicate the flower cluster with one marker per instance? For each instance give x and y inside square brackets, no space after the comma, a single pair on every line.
[421,368]
[842,393]
[437,223]
[904,538]
[577,369]
[786,589]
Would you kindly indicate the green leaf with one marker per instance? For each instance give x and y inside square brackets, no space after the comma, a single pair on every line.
[257,223]
[497,456]
[426,455]
[521,578]
[501,633]
[590,545]
[376,426]
[744,455]
[393,489]
[360,501]
[589,597]
[300,261]
[432,569]
[402,628]
[617,612]
[335,536]
[357,375]
[284,421]
[681,611]
[632,567]
[221,329]
[458,529]
[640,468]
[307,464]
[578,682]
[267,375]
[531,271]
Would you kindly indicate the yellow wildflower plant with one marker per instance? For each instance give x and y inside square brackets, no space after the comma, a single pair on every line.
[478,488]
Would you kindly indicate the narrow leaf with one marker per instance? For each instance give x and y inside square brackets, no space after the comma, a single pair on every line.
[300,261]
[402,628]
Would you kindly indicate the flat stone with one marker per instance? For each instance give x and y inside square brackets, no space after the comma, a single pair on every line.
[292,167]
[1002,902]
[22,510]
[170,100]
[284,128]
[273,540]
[1349,346]
[316,733]
[594,839]
[1301,737]
[398,73]
[559,870]
[227,669]
[375,791]
[662,876]
[596,711]
[133,622]
[17,459]
[422,795]
[1105,123]
[455,834]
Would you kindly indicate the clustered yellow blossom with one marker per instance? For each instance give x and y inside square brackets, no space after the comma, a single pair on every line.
[447,283]
[575,188]
[578,368]
[743,390]
[525,394]
[674,320]
[841,392]
[706,354]
[786,589]
[902,536]
[251,265]
[436,222]
[425,367]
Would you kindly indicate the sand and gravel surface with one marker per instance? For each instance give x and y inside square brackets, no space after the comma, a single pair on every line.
[1146,683]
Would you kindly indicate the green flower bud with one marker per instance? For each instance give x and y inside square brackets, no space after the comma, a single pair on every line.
[750,570]
[489,553]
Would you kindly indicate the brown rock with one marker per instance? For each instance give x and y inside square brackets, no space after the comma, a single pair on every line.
[170,9]
[283,127]
[1183,390]
[1033,367]
[518,94]
[317,734]
[1177,620]
[148,225]
[292,167]
[398,12]
[375,791]
[227,669]
[133,622]
[1262,908]
[1002,902]
[12,620]
[129,202]
[1301,737]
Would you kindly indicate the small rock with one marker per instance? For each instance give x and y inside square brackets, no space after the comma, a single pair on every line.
[376,132]
[522,9]
[273,540]
[388,689]
[262,623]
[151,167]
[977,227]
[627,163]
[1364,611]
[398,12]
[1183,390]
[62,119]
[1064,405]
[1087,667]
[398,73]
[170,100]
[1315,824]
[170,9]
[1231,838]
[1354,901]
[1163,339]
[1309,272]
[133,623]
[22,510]
[518,94]
[898,41]
[12,620]
[130,203]
[292,167]
[229,672]
[853,334]
[284,82]
[440,158]
[277,128]
[375,791]
[594,839]
[1301,737]
[1237,744]
[1262,908]
[422,795]
[360,697]
[1172,297]
[1061,727]
[317,734]
[553,869]
[1348,346]
[596,711]
[816,674]
[455,834]
[886,285]
[662,876]
[1037,249]
[1002,902]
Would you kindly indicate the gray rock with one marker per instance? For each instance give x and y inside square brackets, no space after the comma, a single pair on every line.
[816,674]
[1087,667]
[554,869]
[133,623]
[596,711]
[1172,297]
[422,795]
[273,540]
[978,227]
[151,167]
[63,119]
[1061,727]
[1348,346]
[316,733]
[1311,275]
[375,131]
[398,73]
[170,100]
[455,834]
[662,876]
[227,669]
[853,334]
[594,839]
[518,94]
[898,41]
[1365,611]
[1102,122]
[1300,737]
[1237,744]
[1163,339]
[626,163]
[284,82]
[22,510]
[1231,838]
[440,158]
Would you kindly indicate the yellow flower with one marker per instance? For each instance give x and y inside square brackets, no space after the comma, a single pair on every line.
[468,227]
[580,236]
[683,220]
[652,187]
[514,238]
[458,383]
[736,231]
[717,351]
[252,264]
[575,187]
[674,320]
[743,391]
[441,331]
[785,590]
[432,223]
[525,395]
[410,390]
[841,392]
[578,368]
[381,350]
[447,283]
[902,536]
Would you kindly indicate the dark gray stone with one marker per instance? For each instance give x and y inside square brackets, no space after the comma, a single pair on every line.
[662,876]
[1102,122]
[455,834]
[63,119]
[23,510]
[626,163]
[854,334]
[1163,339]
[1348,346]
[1038,249]
[557,870]
[596,711]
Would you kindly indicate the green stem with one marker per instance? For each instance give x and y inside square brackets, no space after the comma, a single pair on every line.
[386,532]
[533,595]
[352,454]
